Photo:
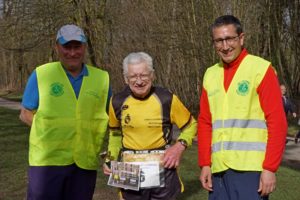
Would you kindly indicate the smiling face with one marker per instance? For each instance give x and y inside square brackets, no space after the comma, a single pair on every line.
[71,55]
[227,42]
[139,78]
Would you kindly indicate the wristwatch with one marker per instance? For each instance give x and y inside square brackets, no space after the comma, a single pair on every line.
[183,143]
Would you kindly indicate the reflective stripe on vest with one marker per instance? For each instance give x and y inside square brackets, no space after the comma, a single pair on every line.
[239,123]
[240,146]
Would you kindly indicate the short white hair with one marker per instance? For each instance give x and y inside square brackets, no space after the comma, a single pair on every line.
[136,58]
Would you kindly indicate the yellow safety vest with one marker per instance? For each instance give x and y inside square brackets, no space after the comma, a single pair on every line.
[65,129]
[238,122]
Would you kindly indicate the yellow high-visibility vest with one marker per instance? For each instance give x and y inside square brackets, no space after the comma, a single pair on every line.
[67,130]
[239,127]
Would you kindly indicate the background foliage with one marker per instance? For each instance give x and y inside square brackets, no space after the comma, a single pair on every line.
[175,33]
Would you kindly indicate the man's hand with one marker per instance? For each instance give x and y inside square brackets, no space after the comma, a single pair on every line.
[205,178]
[267,182]
[106,169]
[173,155]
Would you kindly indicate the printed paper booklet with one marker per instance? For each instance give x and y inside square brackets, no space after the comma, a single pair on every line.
[124,175]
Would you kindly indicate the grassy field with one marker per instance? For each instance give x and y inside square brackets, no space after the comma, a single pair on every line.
[13,167]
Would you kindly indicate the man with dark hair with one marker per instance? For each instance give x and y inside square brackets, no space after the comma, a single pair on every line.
[65,104]
[242,125]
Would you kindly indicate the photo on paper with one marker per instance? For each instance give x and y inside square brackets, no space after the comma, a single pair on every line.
[124,175]
[151,167]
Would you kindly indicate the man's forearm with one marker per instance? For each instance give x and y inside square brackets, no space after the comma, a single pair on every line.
[26,116]
[189,132]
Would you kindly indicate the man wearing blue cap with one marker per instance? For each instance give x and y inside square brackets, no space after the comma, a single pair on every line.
[65,104]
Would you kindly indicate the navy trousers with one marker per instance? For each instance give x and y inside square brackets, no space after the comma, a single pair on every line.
[236,185]
[61,183]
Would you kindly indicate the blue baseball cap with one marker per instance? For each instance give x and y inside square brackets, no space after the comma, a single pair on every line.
[70,32]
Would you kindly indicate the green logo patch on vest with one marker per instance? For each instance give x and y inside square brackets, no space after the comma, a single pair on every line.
[56,89]
[243,88]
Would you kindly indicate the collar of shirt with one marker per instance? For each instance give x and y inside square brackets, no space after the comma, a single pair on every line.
[237,61]
[231,68]
[76,82]
[84,72]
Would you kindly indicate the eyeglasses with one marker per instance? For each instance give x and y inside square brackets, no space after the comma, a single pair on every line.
[229,40]
[142,77]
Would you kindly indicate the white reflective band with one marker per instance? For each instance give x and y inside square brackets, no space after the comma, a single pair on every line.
[216,147]
[217,124]
[240,146]
[239,123]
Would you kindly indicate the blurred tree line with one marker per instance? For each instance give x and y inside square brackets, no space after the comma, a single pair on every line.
[174,32]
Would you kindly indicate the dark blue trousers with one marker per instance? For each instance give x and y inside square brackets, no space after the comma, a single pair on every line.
[236,185]
[60,183]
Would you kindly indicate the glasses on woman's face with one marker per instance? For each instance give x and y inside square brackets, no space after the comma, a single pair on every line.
[142,77]
[229,40]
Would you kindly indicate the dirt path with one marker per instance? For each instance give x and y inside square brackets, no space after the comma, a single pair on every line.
[291,155]
[10,104]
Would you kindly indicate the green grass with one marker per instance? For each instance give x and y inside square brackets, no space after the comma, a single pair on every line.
[13,156]
[14,163]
